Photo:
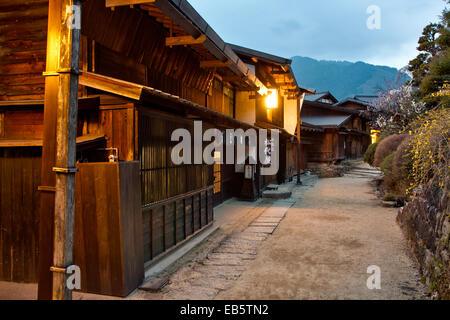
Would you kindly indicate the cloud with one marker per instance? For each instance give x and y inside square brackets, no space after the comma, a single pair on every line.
[323,29]
[286,27]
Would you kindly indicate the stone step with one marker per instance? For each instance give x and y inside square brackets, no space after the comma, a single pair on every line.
[364,174]
[365,170]
[277,194]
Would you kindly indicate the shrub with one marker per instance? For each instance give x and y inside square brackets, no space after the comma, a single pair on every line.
[369,156]
[387,164]
[386,147]
[402,166]
[390,197]
[386,167]
[430,151]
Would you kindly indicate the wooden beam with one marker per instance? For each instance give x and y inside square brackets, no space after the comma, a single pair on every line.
[111,85]
[289,87]
[275,72]
[59,149]
[82,140]
[47,200]
[2,124]
[232,78]
[285,83]
[119,3]
[65,147]
[184,40]
[214,64]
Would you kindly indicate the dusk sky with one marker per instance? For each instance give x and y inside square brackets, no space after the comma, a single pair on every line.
[323,29]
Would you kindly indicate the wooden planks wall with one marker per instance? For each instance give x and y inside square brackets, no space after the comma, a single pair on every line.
[108,228]
[23,42]
[130,45]
[22,124]
[169,223]
[19,213]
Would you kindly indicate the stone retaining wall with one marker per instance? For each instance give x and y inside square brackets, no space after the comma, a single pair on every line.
[426,224]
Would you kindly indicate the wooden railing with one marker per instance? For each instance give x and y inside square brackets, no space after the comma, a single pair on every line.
[169,223]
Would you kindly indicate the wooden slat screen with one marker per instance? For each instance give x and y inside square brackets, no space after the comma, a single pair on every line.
[177,200]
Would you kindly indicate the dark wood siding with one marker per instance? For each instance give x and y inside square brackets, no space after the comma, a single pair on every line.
[108,228]
[23,41]
[19,213]
[130,45]
[168,223]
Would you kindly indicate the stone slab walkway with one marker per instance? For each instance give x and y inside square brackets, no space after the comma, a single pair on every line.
[225,264]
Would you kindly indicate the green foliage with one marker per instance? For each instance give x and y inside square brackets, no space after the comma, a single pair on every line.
[387,164]
[369,156]
[431,68]
[389,197]
[346,164]
[437,77]
[401,168]
[419,68]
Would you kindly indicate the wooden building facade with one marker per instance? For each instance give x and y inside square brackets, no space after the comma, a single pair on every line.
[335,133]
[276,73]
[146,70]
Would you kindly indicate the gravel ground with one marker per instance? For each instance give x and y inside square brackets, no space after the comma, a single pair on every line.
[324,245]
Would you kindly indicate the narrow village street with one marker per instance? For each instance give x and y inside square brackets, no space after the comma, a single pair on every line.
[324,239]
[316,245]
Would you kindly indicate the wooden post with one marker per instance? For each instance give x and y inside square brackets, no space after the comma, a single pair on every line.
[299,123]
[59,148]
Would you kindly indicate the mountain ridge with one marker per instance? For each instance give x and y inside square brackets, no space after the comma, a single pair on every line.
[344,78]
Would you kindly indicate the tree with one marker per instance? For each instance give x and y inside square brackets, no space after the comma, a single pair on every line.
[431,68]
[428,47]
[394,109]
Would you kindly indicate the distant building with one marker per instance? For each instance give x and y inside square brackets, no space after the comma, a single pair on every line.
[324,97]
[341,129]
[357,103]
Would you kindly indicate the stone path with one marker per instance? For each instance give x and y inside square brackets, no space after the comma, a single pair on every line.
[226,263]
[316,245]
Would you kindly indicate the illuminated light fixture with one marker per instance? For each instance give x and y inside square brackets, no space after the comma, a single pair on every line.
[375,134]
[272,99]
[263,91]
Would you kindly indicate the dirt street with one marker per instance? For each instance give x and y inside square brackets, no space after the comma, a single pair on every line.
[324,245]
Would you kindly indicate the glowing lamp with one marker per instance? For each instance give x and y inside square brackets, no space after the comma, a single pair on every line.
[272,99]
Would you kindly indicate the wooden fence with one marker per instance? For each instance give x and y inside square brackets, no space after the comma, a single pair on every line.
[171,222]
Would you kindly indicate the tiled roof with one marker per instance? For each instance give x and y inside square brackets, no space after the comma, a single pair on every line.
[327,121]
